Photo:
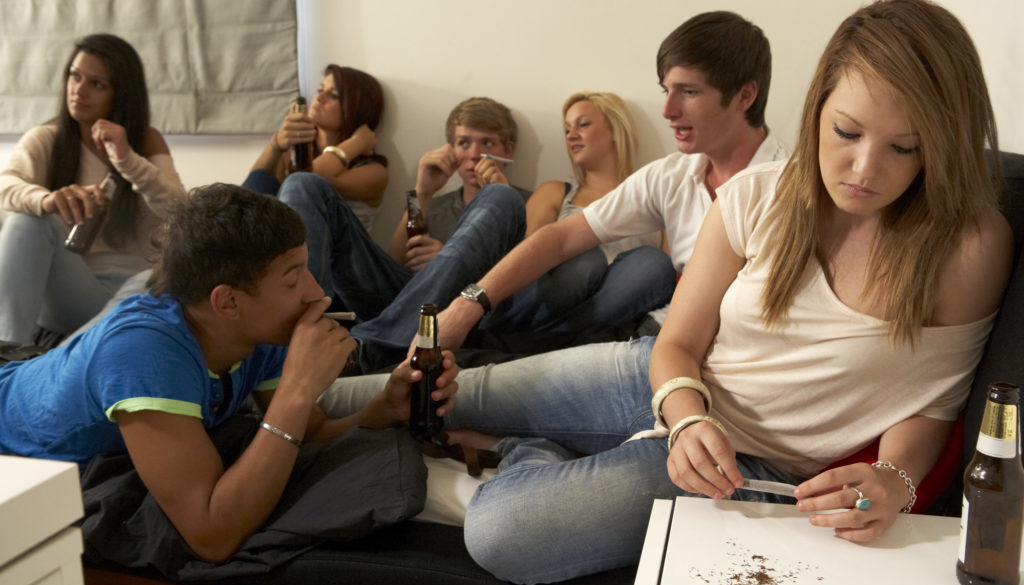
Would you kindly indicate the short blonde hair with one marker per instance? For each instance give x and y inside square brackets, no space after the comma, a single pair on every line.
[485,114]
[619,120]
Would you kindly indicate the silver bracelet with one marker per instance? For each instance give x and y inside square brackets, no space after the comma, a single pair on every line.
[286,436]
[906,479]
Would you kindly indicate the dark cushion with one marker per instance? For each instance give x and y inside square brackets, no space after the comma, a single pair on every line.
[1003,360]
[1004,356]
[413,553]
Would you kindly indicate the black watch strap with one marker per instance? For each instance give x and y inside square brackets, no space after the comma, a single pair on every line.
[476,293]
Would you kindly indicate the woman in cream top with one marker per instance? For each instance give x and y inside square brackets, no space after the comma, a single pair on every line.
[52,182]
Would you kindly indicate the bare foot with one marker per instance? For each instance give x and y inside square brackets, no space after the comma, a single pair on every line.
[471,438]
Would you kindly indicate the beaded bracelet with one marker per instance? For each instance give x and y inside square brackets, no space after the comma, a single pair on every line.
[906,479]
[673,385]
[691,420]
[284,435]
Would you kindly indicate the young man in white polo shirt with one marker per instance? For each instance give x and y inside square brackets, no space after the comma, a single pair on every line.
[715,70]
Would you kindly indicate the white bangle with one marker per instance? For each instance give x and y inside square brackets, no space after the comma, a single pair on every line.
[338,153]
[906,479]
[673,385]
[691,420]
[284,435]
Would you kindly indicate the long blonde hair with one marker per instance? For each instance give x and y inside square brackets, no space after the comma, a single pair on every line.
[619,120]
[924,54]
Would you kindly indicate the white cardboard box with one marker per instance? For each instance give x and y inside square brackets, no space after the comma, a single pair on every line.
[39,500]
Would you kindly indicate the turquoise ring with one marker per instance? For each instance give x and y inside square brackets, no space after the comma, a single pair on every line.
[862,503]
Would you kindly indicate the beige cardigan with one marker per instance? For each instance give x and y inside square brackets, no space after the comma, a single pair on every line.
[154,179]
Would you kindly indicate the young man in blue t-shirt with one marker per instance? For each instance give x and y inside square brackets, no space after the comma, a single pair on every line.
[230,290]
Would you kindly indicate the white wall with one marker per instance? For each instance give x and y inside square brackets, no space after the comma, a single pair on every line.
[531,54]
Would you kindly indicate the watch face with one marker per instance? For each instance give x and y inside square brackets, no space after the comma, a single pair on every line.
[475,292]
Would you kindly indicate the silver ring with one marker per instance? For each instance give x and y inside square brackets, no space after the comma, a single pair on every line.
[862,503]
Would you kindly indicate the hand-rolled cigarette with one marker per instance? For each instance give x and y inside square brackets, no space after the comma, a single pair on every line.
[499,158]
[341,316]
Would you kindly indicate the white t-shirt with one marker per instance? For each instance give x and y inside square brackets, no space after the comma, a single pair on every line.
[668,194]
[827,382]
[614,248]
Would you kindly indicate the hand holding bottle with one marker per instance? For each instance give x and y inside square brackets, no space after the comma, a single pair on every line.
[83,234]
[296,128]
[74,203]
[302,152]
[391,406]
[424,420]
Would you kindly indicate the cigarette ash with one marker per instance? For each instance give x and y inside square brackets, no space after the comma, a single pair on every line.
[748,568]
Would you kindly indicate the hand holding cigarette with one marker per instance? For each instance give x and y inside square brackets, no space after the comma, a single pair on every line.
[488,171]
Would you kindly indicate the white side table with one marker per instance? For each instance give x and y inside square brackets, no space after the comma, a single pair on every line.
[39,500]
[697,541]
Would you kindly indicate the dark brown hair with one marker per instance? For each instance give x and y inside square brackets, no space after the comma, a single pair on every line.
[130,109]
[222,234]
[362,98]
[728,50]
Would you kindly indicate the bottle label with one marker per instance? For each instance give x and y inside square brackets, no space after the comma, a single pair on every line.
[998,436]
[425,341]
[993,447]
[963,530]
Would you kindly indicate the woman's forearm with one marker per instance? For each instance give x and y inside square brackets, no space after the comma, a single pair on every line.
[155,179]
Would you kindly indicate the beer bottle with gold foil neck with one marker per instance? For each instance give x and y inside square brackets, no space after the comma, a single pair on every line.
[423,419]
[302,154]
[990,524]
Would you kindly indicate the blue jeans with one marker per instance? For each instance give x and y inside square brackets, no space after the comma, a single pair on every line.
[42,283]
[385,295]
[260,181]
[491,225]
[586,292]
[343,258]
[549,515]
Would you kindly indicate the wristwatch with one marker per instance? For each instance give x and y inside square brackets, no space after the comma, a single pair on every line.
[476,293]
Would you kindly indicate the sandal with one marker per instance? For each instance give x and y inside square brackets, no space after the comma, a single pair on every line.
[476,460]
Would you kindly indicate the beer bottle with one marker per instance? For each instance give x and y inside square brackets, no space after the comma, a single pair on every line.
[990,524]
[416,224]
[81,236]
[423,420]
[302,154]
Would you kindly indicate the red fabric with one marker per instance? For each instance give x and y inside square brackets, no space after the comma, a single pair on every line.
[942,474]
